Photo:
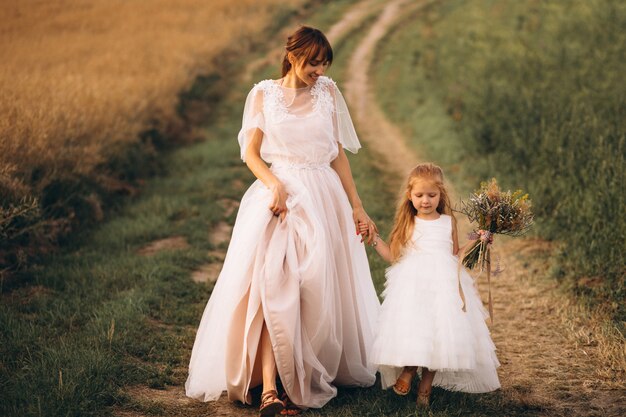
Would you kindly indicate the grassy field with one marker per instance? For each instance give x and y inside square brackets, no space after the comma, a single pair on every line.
[93,89]
[531,93]
[98,316]
[105,315]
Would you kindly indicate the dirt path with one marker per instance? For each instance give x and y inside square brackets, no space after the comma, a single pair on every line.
[552,356]
[380,135]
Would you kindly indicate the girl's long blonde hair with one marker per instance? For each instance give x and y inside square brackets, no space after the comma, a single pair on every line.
[404,220]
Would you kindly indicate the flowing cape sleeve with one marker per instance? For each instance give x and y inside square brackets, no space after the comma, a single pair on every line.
[342,123]
[253,119]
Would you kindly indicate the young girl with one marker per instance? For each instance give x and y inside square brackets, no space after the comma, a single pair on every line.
[431,317]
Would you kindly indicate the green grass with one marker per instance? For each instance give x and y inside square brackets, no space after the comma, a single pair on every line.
[42,206]
[373,402]
[95,317]
[404,85]
[530,93]
[105,317]
[379,199]
[372,184]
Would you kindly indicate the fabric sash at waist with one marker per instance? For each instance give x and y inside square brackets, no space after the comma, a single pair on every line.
[295,165]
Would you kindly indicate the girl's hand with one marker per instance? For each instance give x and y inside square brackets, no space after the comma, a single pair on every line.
[278,206]
[482,235]
[360,217]
[363,229]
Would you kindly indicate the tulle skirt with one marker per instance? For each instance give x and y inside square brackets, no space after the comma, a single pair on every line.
[422,324]
[307,277]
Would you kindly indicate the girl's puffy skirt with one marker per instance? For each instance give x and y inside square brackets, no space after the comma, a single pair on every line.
[422,324]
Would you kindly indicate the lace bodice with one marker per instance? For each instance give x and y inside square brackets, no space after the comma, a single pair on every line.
[299,125]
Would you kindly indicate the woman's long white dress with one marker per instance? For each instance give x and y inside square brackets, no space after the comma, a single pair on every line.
[422,322]
[307,276]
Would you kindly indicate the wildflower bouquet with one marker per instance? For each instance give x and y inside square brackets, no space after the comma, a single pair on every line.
[494,211]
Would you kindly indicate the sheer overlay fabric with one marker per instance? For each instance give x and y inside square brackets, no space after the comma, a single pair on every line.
[307,276]
[422,322]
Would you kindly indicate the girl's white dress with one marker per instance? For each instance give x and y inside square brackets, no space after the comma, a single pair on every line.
[306,276]
[422,323]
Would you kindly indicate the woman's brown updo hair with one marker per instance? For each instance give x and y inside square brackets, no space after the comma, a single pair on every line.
[306,44]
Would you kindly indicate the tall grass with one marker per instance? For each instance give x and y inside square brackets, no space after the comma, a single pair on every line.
[90,90]
[97,318]
[534,95]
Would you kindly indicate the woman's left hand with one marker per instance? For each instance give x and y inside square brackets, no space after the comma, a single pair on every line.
[360,218]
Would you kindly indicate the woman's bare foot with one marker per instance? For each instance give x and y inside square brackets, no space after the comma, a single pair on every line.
[424,388]
[423,398]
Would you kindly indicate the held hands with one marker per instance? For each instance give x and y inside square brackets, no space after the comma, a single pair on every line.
[278,206]
[364,231]
[364,225]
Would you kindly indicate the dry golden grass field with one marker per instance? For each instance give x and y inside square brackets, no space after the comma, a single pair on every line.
[79,77]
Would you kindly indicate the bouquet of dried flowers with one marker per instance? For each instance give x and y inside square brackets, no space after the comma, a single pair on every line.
[495,212]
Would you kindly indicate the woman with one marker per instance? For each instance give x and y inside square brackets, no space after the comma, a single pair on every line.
[295,297]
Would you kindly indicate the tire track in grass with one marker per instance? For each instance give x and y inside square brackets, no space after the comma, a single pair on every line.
[549,361]
[545,342]
[381,135]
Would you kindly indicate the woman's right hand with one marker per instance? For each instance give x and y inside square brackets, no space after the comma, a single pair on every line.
[278,206]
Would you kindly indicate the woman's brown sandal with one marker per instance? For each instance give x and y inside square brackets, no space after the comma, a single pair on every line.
[290,408]
[270,404]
